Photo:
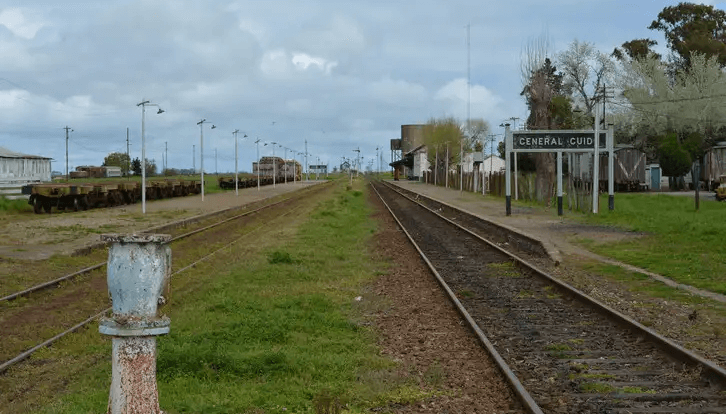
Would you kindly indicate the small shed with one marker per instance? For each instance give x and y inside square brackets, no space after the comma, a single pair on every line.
[17,169]
[714,164]
[113,171]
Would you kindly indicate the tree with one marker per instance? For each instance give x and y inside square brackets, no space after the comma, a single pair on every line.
[689,28]
[586,71]
[543,85]
[118,159]
[636,49]
[674,158]
[150,167]
[136,166]
[478,130]
[440,133]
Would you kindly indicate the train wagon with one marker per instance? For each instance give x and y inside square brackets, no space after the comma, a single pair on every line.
[82,196]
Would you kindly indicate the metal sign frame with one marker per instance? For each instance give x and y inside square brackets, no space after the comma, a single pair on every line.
[555,141]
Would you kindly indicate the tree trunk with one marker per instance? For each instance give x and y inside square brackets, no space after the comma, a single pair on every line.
[545,164]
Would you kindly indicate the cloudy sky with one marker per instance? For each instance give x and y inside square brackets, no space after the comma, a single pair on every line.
[340,74]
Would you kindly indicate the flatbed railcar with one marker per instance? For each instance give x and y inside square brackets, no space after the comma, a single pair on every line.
[83,196]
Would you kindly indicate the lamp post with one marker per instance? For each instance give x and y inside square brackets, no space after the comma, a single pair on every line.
[236,170]
[143,105]
[201,150]
[258,163]
[274,168]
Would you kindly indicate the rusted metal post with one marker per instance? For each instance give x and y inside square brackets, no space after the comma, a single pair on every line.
[138,272]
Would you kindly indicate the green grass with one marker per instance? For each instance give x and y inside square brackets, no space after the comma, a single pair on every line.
[8,206]
[277,331]
[679,242]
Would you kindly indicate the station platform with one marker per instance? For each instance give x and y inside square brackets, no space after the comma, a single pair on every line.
[557,234]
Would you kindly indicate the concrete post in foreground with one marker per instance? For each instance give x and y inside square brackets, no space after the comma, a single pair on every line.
[138,271]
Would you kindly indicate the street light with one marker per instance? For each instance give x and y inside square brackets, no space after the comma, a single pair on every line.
[258,163]
[274,170]
[201,150]
[236,170]
[143,105]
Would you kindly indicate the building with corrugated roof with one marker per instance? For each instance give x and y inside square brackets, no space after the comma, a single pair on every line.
[17,169]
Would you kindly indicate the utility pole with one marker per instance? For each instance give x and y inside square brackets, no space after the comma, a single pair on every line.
[166,156]
[194,158]
[357,161]
[128,157]
[317,169]
[307,171]
[67,128]
[468,106]
[216,171]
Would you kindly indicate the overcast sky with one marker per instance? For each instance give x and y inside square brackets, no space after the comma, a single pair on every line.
[339,74]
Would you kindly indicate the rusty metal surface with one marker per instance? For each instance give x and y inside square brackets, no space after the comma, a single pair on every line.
[133,383]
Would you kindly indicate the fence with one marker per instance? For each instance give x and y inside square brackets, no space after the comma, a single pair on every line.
[577,193]
[12,190]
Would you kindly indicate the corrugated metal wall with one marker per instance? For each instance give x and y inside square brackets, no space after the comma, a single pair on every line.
[24,169]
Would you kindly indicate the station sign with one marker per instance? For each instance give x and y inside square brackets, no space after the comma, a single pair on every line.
[555,140]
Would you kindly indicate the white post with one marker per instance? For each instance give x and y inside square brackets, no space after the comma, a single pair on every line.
[559,183]
[516,187]
[143,157]
[236,185]
[258,163]
[436,166]
[446,173]
[201,151]
[596,165]
[611,169]
[508,173]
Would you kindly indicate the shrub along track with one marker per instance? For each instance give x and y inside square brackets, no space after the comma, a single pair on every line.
[39,316]
[569,353]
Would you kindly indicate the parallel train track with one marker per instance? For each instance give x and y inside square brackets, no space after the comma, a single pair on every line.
[98,275]
[562,351]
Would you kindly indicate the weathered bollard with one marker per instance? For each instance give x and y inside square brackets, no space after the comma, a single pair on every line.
[138,271]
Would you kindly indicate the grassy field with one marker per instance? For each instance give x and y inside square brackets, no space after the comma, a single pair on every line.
[677,241]
[269,326]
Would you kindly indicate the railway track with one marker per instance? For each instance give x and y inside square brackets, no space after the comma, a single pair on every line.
[18,325]
[562,351]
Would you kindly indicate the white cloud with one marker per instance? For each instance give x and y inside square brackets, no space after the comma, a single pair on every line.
[14,19]
[303,61]
[484,103]
[398,92]
[275,63]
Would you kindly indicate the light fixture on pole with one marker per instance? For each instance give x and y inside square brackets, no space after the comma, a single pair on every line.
[285,163]
[201,150]
[143,105]
[274,169]
[258,163]
[236,170]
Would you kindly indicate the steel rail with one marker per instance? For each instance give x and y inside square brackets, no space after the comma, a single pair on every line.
[603,308]
[89,269]
[665,343]
[523,395]
[25,354]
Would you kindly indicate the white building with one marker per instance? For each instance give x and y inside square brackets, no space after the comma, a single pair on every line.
[492,164]
[18,169]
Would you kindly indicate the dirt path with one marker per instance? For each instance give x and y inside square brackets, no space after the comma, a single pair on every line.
[38,237]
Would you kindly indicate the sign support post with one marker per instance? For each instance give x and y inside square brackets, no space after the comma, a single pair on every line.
[559,183]
[596,165]
[611,168]
[507,150]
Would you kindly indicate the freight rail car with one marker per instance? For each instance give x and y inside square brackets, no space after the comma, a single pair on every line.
[82,196]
